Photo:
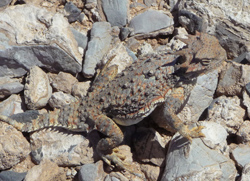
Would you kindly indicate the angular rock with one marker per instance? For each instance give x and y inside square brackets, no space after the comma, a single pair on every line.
[37,88]
[60,99]
[4,3]
[149,146]
[46,171]
[73,12]
[63,82]
[150,22]
[9,86]
[14,147]
[116,12]
[246,101]
[10,175]
[80,89]
[244,58]
[241,155]
[232,79]
[23,26]
[223,19]
[227,111]
[245,173]
[243,134]
[149,2]
[61,146]
[93,171]
[81,39]
[12,105]
[151,172]
[98,46]
[191,161]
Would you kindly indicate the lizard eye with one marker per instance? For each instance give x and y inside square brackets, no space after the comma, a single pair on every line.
[205,62]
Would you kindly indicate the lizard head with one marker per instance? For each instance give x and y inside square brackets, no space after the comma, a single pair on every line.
[203,54]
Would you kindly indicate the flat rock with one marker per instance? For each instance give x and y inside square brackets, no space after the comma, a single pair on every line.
[12,105]
[37,88]
[149,22]
[233,78]
[46,171]
[191,161]
[116,12]
[92,171]
[56,51]
[14,147]
[61,147]
[243,134]
[10,175]
[245,173]
[9,86]
[98,46]
[227,111]
[63,82]
[80,89]
[241,155]
[60,99]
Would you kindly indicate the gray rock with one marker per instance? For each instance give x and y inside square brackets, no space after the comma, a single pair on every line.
[248,87]
[241,155]
[37,88]
[246,101]
[60,99]
[80,89]
[227,111]
[9,86]
[125,33]
[116,12]
[149,146]
[10,176]
[61,146]
[57,49]
[14,146]
[244,58]
[93,171]
[150,21]
[245,173]
[149,2]
[81,39]
[74,12]
[4,2]
[98,46]
[191,22]
[191,161]
[12,105]
[243,134]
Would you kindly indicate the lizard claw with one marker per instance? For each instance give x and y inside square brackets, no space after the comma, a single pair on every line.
[195,132]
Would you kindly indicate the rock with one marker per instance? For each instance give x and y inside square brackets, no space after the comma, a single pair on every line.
[34,36]
[60,99]
[227,111]
[232,79]
[81,39]
[14,147]
[205,86]
[243,134]
[246,101]
[151,172]
[145,49]
[133,44]
[241,155]
[4,3]
[61,146]
[116,12]
[63,82]
[191,22]
[228,21]
[73,12]
[9,86]
[215,136]
[37,88]
[149,2]
[93,171]
[244,58]
[191,161]
[98,46]
[248,87]
[12,105]
[80,89]
[125,32]
[150,22]
[149,146]
[245,173]
[10,175]
[46,171]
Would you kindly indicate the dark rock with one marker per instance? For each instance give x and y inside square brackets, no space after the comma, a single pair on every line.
[191,21]
[4,2]
[10,176]
[124,33]
[244,58]
[74,12]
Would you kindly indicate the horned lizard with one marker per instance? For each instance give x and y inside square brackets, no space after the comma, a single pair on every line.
[128,97]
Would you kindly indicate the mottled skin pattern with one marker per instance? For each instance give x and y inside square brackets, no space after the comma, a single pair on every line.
[130,96]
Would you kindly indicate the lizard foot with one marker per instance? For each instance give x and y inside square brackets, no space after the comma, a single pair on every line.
[192,133]
[118,160]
